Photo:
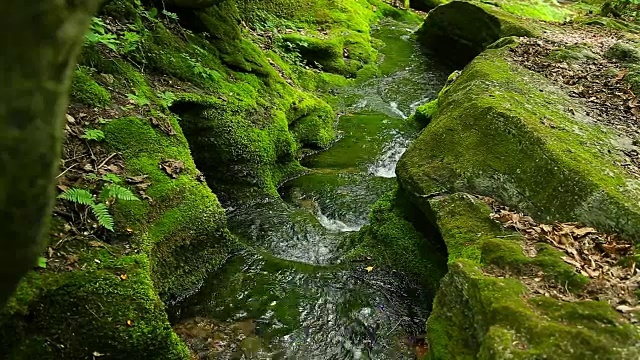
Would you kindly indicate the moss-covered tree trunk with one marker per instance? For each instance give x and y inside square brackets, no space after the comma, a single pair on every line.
[39,41]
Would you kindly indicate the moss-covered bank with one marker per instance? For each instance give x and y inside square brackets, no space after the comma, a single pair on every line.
[477,315]
[502,131]
[506,132]
[398,238]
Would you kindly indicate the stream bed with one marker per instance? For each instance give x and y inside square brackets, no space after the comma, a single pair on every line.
[290,296]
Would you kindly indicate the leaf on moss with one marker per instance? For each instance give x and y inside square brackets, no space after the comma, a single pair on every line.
[172,167]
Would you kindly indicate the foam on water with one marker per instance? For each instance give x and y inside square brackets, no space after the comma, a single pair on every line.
[335,224]
[394,107]
[385,166]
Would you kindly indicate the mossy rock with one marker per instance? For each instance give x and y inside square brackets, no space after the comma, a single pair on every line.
[78,314]
[480,316]
[623,52]
[312,122]
[506,132]
[633,78]
[327,55]
[184,229]
[545,10]
[577,53]
[239,159]
[460,30]
[425,113]
[397,238]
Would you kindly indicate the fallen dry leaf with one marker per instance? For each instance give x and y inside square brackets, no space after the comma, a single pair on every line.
[172,167]
[136,179]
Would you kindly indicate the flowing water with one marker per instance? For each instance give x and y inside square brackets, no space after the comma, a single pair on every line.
[291,297]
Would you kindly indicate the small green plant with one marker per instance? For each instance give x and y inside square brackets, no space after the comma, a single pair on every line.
[93,134]
[151,14]
[99,35]
[201,70]
[111,178]
[167,98]
[139,100]
[42,263]
[170,15]
[130,41]
[111,192]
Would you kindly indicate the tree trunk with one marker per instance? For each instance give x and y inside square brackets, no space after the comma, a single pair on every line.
[39,42]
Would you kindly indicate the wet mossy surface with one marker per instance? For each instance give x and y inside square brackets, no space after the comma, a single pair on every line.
[397,238]
[488,137]
[479,315]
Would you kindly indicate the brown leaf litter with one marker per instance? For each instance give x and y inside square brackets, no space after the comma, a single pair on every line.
[606,259]
[596,81]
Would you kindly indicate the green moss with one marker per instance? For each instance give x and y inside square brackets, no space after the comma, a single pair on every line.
[85,90]
[623,52]
[256,120]
[183,247]
[393,241]
[506,151]
[546,10]
[327,55]
[477,315]
[425,113]
[578,52]
[237,155]
[312,122]
[607,22]
[633,78]
[119,318]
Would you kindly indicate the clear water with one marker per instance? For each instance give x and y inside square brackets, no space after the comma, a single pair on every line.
[290,297]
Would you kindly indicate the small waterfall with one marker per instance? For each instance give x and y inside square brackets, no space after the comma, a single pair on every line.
[386,166]
[394,108]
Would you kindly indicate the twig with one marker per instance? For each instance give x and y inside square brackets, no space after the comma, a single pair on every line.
[69,168]
[105,161]
[91,311]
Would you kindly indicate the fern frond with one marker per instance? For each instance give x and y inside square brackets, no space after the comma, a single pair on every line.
[78,196]
[101,212]
[117,192]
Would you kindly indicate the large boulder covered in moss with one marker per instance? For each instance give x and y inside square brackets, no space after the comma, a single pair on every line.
[506,132]
[478,315]
[461,30]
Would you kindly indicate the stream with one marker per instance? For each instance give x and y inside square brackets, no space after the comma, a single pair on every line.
[290,296]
